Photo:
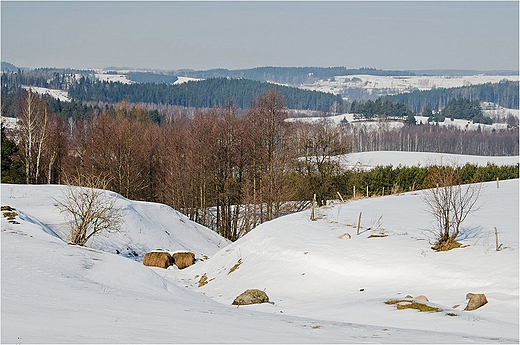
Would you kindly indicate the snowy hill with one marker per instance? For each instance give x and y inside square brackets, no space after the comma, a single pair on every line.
[391,85]
[147,226]
[322,288]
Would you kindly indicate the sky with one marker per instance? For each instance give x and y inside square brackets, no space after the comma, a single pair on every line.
[234,35]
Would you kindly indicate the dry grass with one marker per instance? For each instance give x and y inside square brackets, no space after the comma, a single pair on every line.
[158,259]
[235,266]
[377,235]
[203,280]
[446,245]
[407,304]
[183,260]
[10,215]
[410,303]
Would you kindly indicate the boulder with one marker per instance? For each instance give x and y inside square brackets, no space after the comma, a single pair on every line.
[183,260]
[158,259]
[251,296]
[476,300]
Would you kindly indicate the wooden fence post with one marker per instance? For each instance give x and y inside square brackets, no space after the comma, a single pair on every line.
[359,222]
[496,239]
[312,209]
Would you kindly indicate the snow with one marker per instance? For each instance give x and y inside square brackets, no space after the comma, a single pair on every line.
[395,124]
[368,160]
[58,94]
[322,289]
[9,122]
[113,76]
[396,84]
[182,80]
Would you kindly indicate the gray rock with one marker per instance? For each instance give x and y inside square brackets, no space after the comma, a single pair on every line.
[251,296]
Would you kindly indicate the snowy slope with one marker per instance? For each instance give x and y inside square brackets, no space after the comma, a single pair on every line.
[147,226]
[322,288]
[308,271]
[397,84]
[58,94]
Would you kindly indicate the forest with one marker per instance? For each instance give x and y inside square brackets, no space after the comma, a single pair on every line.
[505,94]
[461,108]
[225,171]
[208,93]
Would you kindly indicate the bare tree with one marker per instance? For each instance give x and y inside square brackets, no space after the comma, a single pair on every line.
[267,116]
[89,210]
[449,203]
[318,144]
[33,119]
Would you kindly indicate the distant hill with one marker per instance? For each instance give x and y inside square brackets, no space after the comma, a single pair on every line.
[212,92]
[6,66]
[288,75]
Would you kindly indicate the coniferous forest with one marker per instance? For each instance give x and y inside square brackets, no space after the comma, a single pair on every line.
[213,92]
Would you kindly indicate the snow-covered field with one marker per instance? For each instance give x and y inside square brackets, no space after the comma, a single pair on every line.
[58,94]
[120,76]
[368,160]
[322,289]
[396,84]
[455,123]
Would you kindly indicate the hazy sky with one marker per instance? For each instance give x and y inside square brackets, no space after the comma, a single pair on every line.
[233,35]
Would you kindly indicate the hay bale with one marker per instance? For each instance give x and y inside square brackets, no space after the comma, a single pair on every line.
[158,259]
[183,260]
[251,296]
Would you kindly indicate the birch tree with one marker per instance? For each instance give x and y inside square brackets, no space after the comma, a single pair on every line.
[32,119]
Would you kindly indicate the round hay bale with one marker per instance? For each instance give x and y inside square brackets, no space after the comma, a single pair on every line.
[183,260]
[251,296]
[158,259]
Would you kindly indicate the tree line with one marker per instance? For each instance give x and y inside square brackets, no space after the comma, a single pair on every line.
[461,108]
[504,93]
[225,171]
[289,75]
[381,109]
[434,138]
[213,92]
